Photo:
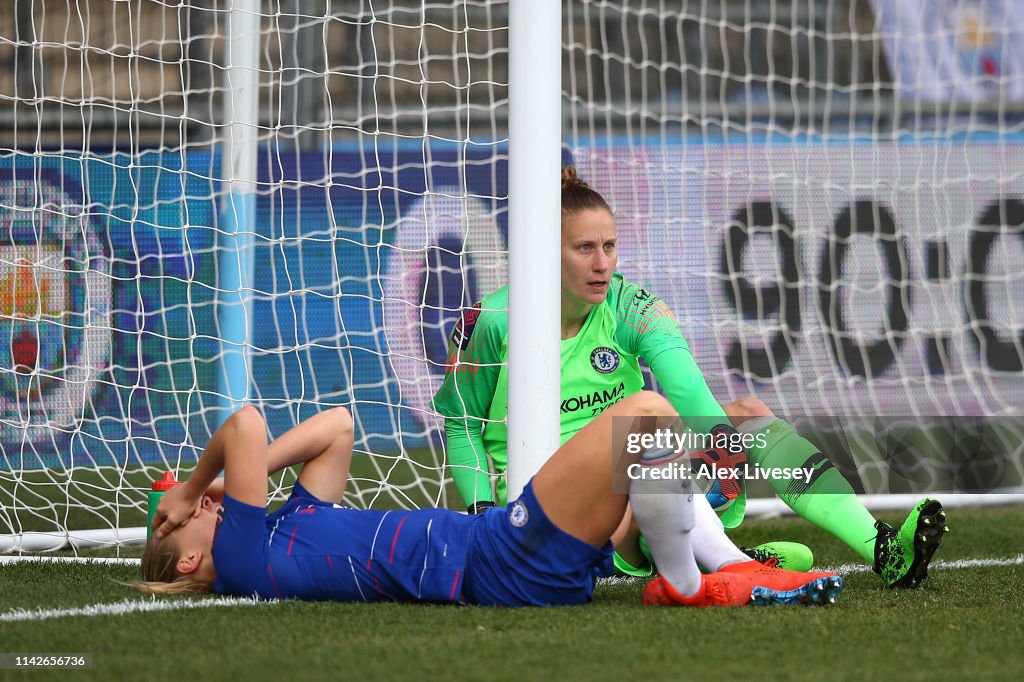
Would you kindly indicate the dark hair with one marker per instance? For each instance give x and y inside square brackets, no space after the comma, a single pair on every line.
[578,196]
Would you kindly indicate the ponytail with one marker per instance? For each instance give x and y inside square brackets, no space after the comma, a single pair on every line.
[578,196]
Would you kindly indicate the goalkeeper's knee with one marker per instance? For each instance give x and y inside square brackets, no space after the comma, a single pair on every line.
[645,570]
[769,431]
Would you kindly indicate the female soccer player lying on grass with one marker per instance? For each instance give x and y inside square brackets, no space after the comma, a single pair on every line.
[607,324]
[543,550]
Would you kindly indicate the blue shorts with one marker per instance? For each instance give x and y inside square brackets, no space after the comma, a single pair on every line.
[518,557]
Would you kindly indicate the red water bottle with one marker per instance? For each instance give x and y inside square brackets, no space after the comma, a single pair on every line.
[157,491]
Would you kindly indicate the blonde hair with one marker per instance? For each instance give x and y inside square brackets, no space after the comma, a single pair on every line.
[160,570]
[579,196]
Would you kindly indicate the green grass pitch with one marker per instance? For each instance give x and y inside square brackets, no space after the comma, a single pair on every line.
[964,623]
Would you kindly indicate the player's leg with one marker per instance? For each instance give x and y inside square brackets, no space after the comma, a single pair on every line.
[711,546]
[575,486]
[548,545]
[716,552]
[828,501]
[631,557]
[664,509]
[575,489]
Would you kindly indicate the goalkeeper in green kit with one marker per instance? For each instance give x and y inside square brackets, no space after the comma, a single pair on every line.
[608,323]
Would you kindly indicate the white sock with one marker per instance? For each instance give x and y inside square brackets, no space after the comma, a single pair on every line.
[664,512]
[711,546]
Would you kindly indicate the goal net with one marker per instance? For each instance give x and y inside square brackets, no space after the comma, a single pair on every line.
[836,229]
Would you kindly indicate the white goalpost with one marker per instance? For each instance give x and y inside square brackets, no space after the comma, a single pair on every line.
[534,241]
[294,214]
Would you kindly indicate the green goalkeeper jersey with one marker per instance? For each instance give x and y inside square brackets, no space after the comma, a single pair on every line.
[599,368]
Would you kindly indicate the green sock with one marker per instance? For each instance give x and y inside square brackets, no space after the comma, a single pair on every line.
[828,500]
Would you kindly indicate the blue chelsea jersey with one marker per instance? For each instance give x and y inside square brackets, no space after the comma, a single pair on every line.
[311,549]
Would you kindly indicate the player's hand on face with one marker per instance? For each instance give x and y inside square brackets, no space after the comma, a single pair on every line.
[176,508]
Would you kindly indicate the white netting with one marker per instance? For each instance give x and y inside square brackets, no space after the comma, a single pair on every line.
[379,198]
[381,211]
[837,236]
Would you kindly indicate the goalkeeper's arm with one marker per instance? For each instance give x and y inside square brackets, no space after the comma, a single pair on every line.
[468,462]
[465,397]
[648,328]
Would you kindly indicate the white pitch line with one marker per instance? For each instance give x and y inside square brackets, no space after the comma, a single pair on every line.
[156,605]
[28,559]
[958,563]
[127,606]
[843,569]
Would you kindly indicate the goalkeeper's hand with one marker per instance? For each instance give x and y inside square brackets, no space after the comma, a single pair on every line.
[727,468]
[479,507]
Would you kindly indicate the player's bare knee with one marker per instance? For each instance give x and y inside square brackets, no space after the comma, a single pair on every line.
[747,408]
[650,404]
[246,420]
[343,422]
[246,417]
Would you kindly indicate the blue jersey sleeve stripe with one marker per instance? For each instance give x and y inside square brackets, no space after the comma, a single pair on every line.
[273,583]
[394,540]
[455,585]
[373,545]
[273,531]
[291,542]
[426,556]
[355,579]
